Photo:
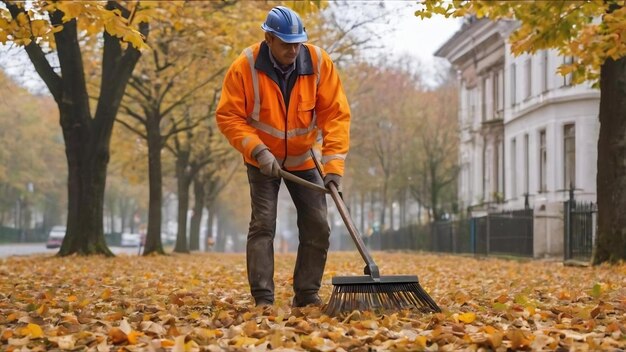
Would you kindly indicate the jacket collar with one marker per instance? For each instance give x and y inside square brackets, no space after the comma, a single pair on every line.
[304,63]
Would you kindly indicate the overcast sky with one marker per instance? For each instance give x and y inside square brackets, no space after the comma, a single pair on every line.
[420,38]
[416,37]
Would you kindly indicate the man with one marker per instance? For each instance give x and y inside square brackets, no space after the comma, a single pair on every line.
[277,97]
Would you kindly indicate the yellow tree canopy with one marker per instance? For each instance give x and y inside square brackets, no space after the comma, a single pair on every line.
[92,18]
[590,31]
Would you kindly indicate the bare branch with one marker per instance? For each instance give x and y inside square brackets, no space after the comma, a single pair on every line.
[132,129]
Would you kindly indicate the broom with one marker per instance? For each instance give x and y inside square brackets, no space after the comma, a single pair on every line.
[370,291]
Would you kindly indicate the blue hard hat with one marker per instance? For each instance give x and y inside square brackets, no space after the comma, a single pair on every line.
[285,24]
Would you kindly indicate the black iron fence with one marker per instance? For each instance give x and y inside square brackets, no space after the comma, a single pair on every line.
[452,236]
[579,229]
[509,233]
[12,235]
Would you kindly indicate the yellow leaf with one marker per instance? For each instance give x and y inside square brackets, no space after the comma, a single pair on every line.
[106,294]
[42,309]
[421,341]
[467,318]
[72,298]
[3,37]
[22,19]
[241,341]
[33,330]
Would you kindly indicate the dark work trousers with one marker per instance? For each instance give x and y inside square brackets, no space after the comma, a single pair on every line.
[314,233]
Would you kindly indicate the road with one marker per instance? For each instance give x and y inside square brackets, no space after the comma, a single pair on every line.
[11,249]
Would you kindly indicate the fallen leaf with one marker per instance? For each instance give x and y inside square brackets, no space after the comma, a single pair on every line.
[467,318]
[117,336]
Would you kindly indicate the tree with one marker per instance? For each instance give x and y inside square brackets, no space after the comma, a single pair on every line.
[31,158]
[182,73]
[61,27]
[126,192]
[433,150]
[594,33]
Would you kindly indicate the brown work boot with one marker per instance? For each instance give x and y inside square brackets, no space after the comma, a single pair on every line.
[263,302]
[311,300]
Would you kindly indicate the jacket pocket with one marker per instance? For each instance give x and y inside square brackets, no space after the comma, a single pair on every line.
[305,113]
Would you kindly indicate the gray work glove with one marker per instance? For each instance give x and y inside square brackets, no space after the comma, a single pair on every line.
[334,178]
[267,163]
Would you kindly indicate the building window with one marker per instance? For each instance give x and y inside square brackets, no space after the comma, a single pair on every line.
[500,169]
[567,79]
[513,85]
[529,78]
[513,168]
[545,74]
[569,156]
[472,105]
[497,95]
[543,162]
[484,99]
[526,165]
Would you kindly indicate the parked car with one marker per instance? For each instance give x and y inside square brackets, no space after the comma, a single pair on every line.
[56,236]
[130,240]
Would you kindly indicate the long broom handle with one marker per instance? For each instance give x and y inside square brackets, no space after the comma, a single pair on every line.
[371,268]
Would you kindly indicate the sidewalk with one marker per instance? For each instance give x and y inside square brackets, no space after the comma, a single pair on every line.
[11,249]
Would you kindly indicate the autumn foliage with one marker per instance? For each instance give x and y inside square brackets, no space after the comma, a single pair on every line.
[201,302]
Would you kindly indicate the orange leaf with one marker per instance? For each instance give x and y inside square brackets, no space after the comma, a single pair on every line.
[114,316]
[167,343]
[502,299]
[6,334]
[117,336]
[133,337]
[518,339]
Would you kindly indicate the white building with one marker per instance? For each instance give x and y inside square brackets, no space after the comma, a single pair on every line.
[524,128]
[527,134]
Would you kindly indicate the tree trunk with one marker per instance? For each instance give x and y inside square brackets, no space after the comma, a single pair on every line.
[111,207]
[196,217]
[210,235]
[153,237]
[611,177]
[124,206]
[220,239]
[392,214]
[383,205]
[183,181]
[87,164]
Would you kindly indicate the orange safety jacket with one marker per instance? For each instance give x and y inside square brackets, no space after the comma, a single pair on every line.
[253,116]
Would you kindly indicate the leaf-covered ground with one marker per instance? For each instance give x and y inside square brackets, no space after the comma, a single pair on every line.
[201,302]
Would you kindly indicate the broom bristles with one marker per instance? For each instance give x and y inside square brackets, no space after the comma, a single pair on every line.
[379,297]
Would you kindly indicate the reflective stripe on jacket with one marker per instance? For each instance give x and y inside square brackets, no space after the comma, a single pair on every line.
[256,118]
